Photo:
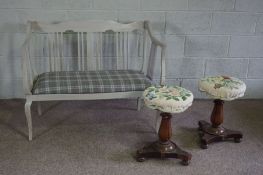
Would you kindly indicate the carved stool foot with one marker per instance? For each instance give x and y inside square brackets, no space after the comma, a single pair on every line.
[209,134]
[163,150]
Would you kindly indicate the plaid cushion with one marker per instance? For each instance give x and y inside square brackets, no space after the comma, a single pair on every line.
[84,82]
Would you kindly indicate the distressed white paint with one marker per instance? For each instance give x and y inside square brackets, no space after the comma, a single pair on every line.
[101,31]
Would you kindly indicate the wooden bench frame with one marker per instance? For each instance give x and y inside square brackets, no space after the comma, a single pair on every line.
[84,26]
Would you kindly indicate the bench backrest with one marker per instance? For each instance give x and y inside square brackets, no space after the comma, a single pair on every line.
[85,46]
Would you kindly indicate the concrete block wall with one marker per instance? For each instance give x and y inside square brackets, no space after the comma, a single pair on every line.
[204,37]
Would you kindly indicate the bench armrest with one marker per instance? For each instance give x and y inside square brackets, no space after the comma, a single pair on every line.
[27,72]
[156,42]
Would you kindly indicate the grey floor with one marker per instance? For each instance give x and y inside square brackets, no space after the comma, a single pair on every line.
[101,137]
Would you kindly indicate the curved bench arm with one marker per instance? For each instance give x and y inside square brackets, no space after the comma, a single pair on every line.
[156,42]
[27,72]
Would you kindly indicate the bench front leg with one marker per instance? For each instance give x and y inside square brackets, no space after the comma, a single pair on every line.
[28,118]
[139,103]
[39,109]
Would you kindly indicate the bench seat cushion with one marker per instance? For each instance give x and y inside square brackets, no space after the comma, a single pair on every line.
[84,82]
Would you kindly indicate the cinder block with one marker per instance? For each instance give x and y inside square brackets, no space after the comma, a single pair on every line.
[254,89]
[188,23]
[90,15]
[175,46]
[117,4]
[10,67]
[181,68]
[164,5]
[255,68]
[251,5]
[39,15]
[11,88]
[246,46]
[169,82]
[80,4]
[128,4]
[8,21]
[192,85]
[157,19]
[20,4]
[101,4]
[214,46]
[185,68]
[233,23]
[259,26]
[224,5]
[10,44]
[54,4]
[67,4]
[230,67]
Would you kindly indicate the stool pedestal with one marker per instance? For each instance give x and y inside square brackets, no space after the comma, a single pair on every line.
[214,132]
[164,147]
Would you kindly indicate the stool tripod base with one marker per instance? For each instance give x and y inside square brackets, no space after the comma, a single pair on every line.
[210,134]
[163,150]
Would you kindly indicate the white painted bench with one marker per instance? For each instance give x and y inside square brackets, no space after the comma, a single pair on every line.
[87,60]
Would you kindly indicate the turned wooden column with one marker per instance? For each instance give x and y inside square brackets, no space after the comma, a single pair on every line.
[164,147]
[217,116]
[165,130]
[214,132]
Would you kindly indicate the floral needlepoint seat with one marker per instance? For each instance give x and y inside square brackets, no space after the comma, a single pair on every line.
[223,87]
[220,88]
[167,100]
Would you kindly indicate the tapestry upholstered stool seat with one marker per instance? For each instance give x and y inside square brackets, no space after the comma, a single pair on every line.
[168,100]
[220,88]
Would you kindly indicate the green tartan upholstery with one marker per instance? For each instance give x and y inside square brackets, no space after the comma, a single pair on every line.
[84,82]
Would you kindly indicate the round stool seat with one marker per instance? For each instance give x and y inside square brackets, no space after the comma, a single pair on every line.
[222,87]
[171,99]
